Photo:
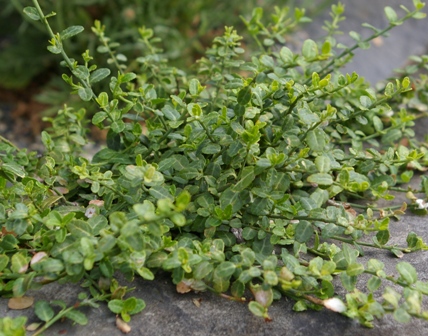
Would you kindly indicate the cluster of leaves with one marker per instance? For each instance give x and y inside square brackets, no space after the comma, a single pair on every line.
[229,179]
[23,54]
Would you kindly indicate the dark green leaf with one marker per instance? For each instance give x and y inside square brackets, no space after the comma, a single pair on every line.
[246,178]
[382,237]
[304,231]
[244,96]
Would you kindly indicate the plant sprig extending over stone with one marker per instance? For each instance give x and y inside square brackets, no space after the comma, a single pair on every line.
[231,179]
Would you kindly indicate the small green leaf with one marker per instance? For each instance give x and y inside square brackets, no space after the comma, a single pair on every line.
[320,179]
[116,306]
[365,102]
[354,269]
[71,31]
[317,139]
[139,306]
[225,269]
[194,87]
[127,77]
[85,93]
[309,49]
[374,283]
[348,281]
[257,309]
[246,178]
[244,96]
[382,237]
[13,168]
[202,269]
[267,61]
[402,316]
[98,75]
[323,164]
[32,13]
[407,272]
[391,14]
[77,317]
[43,311]
[304,231]
[170,113]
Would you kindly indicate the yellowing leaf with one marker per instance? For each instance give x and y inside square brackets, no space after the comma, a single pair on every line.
[122,326]
[22,302]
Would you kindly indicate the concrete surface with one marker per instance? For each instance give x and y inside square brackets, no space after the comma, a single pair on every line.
[378,62]
[170,313]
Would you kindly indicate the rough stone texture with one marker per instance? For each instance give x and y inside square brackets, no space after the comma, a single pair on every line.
[378,62]
[170,313]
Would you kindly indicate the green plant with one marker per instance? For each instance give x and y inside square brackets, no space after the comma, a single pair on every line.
[240,176]
[185,28]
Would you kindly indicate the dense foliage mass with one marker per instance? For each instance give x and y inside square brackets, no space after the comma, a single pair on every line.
[236,177]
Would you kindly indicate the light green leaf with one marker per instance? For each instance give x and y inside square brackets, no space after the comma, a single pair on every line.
[374,283]
[116,306]
[320,179]
[170,113]
[32,13]
[407,272]
[13,168]
[307,117]
[354,269]
[225,269]
[43,310]
[365,102]
[85,94]
[98,75]
[160,192]
[391,14]
[77,317]
[402,316]
[71,31]
[323,164]
[317,140]
[257,309]
[309,49]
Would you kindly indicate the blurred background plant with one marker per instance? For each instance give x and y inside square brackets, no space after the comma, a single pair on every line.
[185,27]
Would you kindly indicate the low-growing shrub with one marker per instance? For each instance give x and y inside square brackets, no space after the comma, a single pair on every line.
[239,176]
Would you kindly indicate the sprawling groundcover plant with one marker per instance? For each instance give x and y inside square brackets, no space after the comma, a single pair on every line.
[236,176]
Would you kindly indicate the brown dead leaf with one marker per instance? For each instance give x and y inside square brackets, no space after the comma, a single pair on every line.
[352,212]
[97,202]
[22,302]
[197,302]
[183,287]
[378,41]
[122,325]
[38,257]
[33,326]
[5,232]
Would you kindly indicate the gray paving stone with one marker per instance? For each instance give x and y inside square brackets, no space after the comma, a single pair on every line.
[170,313]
